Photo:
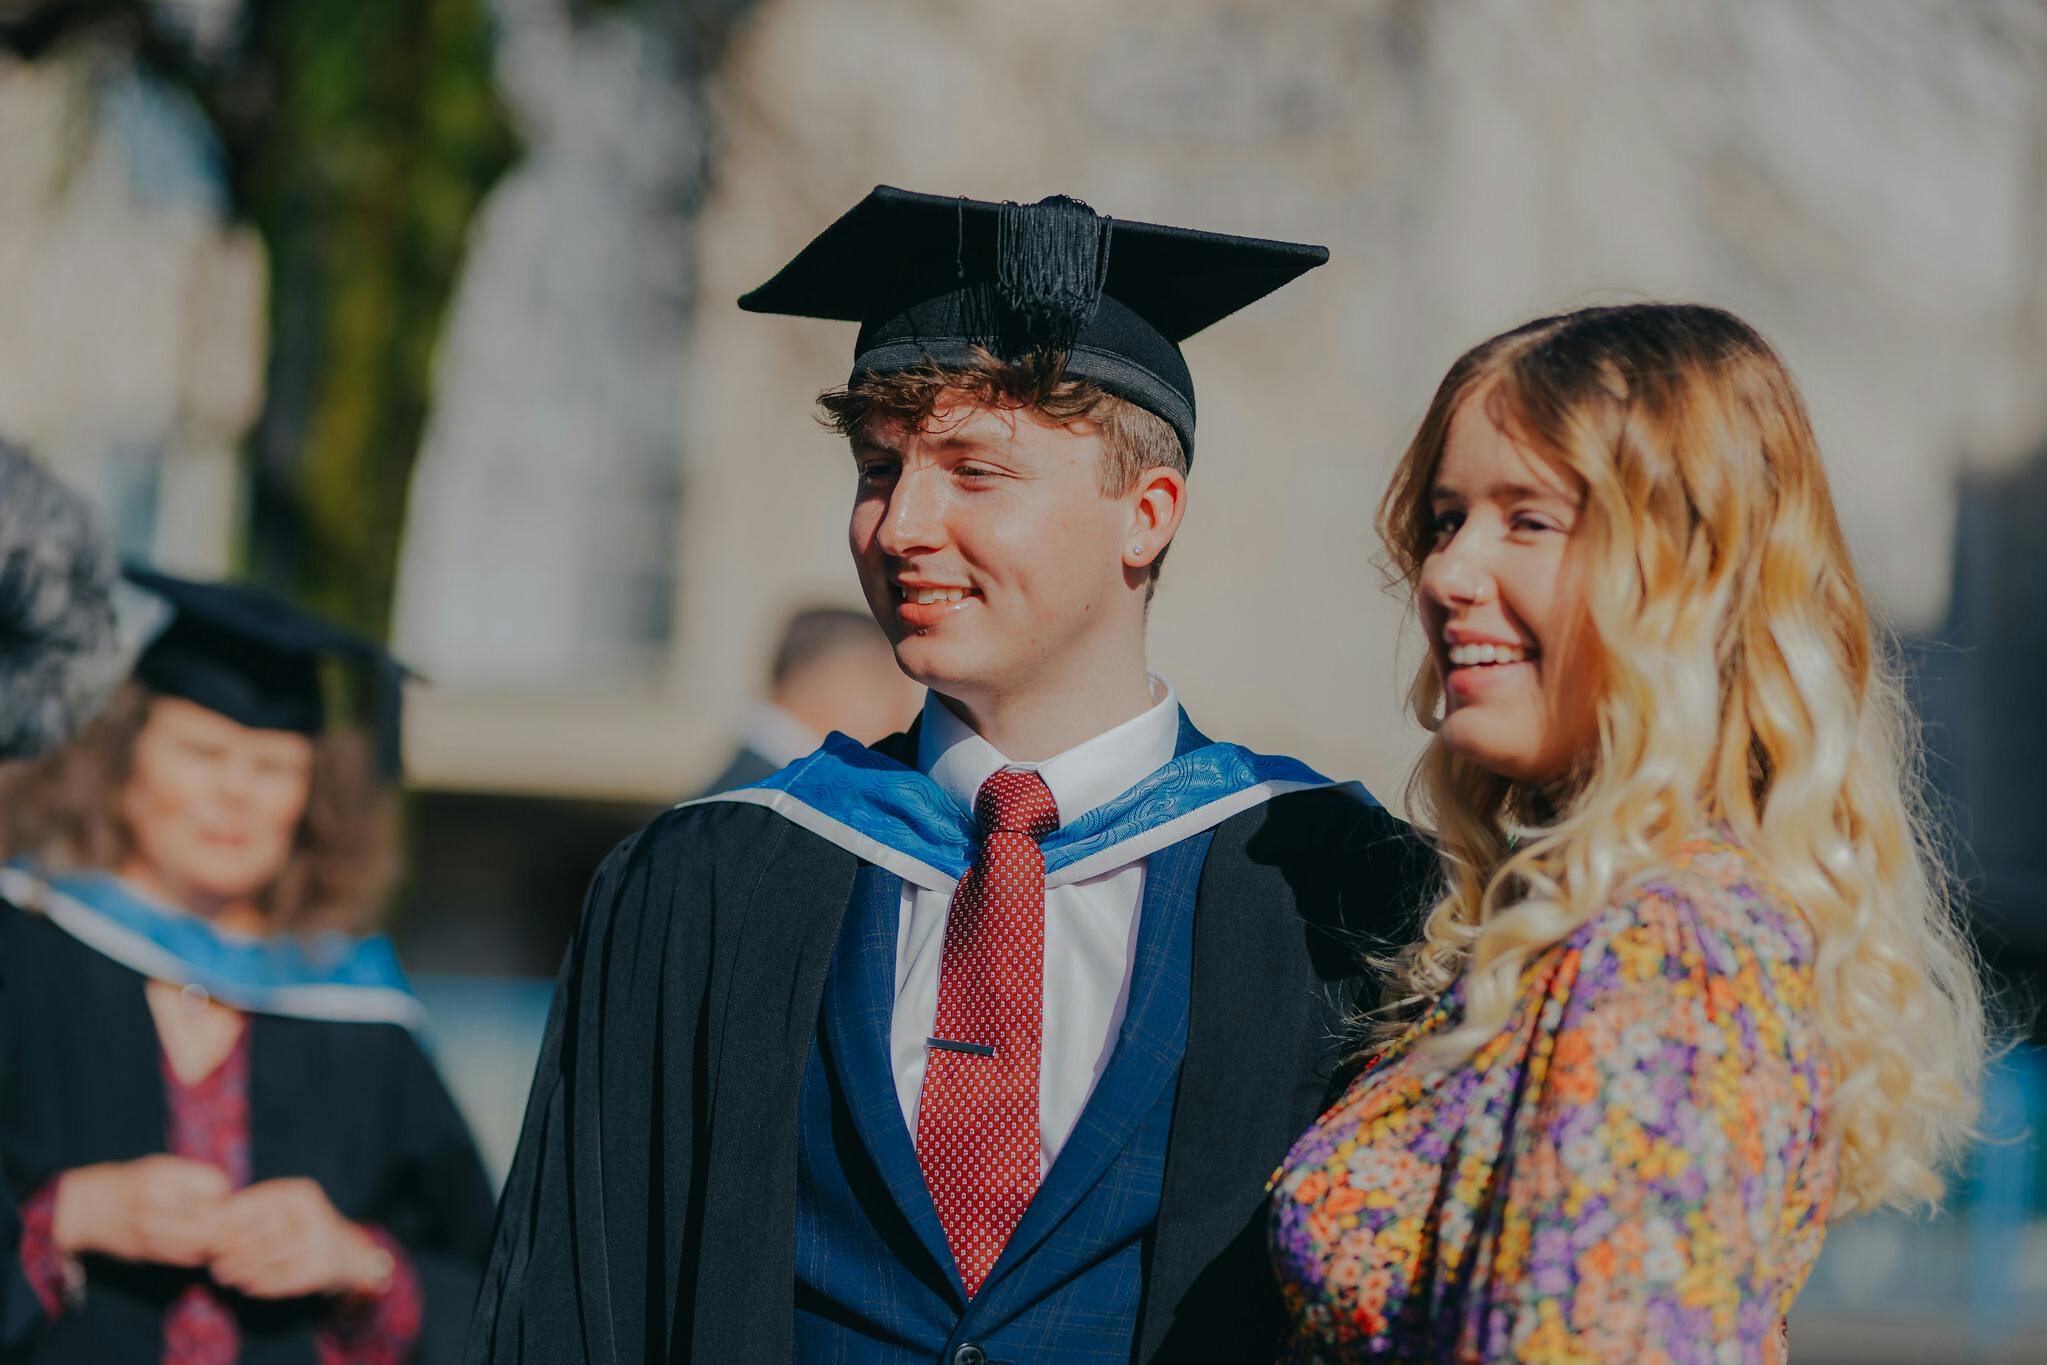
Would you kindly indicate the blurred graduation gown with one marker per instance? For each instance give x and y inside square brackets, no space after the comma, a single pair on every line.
[650,1212]
[21,1313]
[339,1088]
[351,1102]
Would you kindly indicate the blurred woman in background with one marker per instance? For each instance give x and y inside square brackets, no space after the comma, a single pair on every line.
[1695,985]
[226,1140]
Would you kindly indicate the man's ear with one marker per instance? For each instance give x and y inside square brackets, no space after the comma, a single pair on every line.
[1158,501]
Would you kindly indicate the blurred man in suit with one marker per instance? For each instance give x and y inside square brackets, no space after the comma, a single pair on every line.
[833,670]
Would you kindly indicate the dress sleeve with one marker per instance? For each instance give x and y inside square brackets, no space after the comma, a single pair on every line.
[51,1275]
[378,1331]
[1660,1199]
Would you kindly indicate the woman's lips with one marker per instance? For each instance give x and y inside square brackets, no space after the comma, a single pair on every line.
[1475,680]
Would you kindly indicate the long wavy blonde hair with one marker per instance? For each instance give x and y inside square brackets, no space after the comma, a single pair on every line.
[1742,682]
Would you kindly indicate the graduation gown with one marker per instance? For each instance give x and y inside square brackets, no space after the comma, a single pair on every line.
[748,766]
[356,1106]
[21,1313]
[650,1211]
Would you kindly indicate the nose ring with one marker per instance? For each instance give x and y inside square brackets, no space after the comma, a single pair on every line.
[1478,596]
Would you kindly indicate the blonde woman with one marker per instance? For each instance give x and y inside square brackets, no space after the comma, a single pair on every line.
[1693,988]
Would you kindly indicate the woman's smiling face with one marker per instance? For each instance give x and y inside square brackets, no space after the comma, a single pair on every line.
[1503,604]
[213,806]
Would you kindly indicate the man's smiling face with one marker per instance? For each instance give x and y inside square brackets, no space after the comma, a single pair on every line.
[986,547]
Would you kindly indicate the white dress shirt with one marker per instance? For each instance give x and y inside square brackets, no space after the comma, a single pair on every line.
[1090,926]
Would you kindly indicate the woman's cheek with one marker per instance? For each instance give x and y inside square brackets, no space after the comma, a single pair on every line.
[159,819]
[281,815]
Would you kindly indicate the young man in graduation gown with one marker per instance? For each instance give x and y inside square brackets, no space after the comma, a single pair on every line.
[980,1044]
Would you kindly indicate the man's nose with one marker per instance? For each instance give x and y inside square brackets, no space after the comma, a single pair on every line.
[916,513]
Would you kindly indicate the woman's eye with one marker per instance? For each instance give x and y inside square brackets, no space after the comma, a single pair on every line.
[876,473]
[1443,525]
[975,472]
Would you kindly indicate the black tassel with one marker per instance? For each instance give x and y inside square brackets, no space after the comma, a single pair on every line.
[1051,263]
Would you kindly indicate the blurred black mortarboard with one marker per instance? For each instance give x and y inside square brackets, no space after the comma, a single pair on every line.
[255,658]
[930,279]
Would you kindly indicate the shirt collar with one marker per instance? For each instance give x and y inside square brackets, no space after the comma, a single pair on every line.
[1085,776]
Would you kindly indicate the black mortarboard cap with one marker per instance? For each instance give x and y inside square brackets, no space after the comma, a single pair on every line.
[255,658]
[930,279]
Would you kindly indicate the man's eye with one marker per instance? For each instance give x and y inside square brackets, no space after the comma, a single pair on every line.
[878,472]
[974,471]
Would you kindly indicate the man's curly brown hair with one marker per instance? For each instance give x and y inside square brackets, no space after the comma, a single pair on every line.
[1133,439]
[63,811]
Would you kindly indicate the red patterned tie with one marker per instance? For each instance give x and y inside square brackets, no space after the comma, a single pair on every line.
[977,1121]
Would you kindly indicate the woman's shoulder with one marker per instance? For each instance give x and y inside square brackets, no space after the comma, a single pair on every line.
[34,949]
[1703,944]
[1711,903]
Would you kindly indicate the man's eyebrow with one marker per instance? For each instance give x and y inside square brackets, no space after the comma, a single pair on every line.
[956,440]
[866,443]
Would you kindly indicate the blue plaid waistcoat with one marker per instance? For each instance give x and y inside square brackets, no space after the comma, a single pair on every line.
[875,1281]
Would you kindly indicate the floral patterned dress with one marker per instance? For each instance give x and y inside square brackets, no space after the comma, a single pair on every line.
[1631,1170]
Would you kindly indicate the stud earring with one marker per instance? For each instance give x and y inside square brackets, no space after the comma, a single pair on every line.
[1137,549]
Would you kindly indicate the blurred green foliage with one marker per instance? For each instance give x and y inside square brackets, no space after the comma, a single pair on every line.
[358,137]
[385,134]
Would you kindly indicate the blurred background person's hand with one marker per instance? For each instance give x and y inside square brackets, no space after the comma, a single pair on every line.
[282,1239]
[155,1210]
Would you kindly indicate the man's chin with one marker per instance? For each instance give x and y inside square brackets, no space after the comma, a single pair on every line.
[942,666]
